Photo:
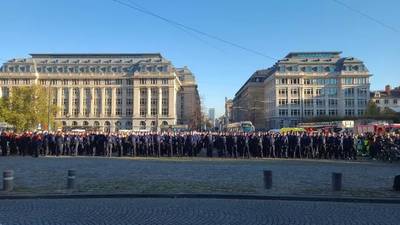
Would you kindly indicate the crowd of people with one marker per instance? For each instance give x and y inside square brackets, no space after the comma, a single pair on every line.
[191,144]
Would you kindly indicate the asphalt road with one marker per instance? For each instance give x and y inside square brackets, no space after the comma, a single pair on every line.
[193,211]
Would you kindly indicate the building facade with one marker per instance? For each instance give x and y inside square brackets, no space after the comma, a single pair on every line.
[315,84]
[105,91]
[249,102]
[188,100]
[389,98]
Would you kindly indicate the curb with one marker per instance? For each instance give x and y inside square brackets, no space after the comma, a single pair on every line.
[208,196]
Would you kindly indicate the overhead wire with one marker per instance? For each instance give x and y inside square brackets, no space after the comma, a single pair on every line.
[137,7]
[373,19]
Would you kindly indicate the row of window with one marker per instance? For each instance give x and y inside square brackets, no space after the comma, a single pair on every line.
[118,124]
[386,101]
[82,69]
[321,102]
[322,81]
[318,112]
[348,92]
[320,68]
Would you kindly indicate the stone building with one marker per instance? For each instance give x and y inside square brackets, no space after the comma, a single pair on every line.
[108,91]
[249,103]
[188,101]
[388,98]
[315,84]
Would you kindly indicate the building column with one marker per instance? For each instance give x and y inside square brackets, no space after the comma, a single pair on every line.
[159,101]
[70,101]
[148,101]
[59,102]
[81,90]
[123,108]
[136,102]
[113,100]
[92,102]
[103,102]
[172,102]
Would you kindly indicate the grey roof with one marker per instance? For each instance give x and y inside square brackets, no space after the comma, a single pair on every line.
[294,54]
[94,55]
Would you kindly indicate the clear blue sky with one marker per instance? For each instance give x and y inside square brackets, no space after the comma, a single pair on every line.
[274,27]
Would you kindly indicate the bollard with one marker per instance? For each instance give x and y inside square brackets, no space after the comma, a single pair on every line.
[396,183]
[267,179]
[71,179]
[8,180]
[336,181]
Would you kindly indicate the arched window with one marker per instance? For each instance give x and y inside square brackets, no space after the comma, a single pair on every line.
[164,123]
[107,123]
[96,123]
[64,123]
[85,123]
[128,125]
[74,123]
[142,125]
[153,123]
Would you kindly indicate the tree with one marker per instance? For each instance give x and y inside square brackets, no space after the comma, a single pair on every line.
[27,107]
[372,109]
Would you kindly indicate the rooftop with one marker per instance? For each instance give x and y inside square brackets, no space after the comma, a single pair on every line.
[330,54]
[94,55]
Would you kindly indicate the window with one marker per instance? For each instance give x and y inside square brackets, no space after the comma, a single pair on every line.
[119,101]
[308,112]
[153,111]
[308,102]
[377,101]
[319,92]
[308,91]
[395,101]
[361,112]
[332,102]
[331,81]
[321,112]
[164,111]
[294,81]
[362,91]
[362,102]
[386,102]
[283,112]
[128,111]
[349,102]
[294,92]
[307,81]
[282,101]
[348,92]
[320,102]
[331,91]
[129,101]
[282,92]
[295,101]
[333,112]
[295,112]
[347,81]
[118,111]
[349,112]
[118,91]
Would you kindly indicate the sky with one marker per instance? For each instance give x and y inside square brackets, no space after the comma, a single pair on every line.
[272,27]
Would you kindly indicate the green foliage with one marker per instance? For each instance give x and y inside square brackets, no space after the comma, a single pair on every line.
[372,109]
[27,107]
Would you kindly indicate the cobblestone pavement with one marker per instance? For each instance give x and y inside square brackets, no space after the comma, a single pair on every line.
[193,211]
[200,175]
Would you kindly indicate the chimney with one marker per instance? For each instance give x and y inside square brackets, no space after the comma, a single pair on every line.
[387,89]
